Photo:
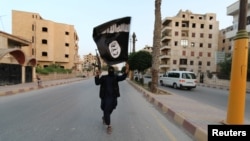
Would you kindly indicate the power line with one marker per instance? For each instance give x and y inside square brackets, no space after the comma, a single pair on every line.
[2,22]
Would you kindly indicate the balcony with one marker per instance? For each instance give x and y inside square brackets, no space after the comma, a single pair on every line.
[232,34]
[164,66]
[165,56]
[166,29]
[165,47]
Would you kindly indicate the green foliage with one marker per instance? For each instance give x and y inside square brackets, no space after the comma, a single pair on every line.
[140,61]
[53,68]
[225,66]
[225,69]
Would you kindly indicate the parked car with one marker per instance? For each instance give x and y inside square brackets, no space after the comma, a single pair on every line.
[179,79]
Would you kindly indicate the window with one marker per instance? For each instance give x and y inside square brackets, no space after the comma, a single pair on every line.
[66,56]
[192,53]
[209,45]
[66,44]
[201,35]
[44,41]
[174,62]
[208,63]
[210,36]
[191,63]
[173,74]
[176,24]
[45,29]
[66,33]
[33,27]
[210,26]
[184,43]
[44,53]
[201,44]
[188,76]
[183,61]
[192,44]
[202,26]
[193,34]
[199,63]
[183,53]
[200,54]
[193,25]
[176,43]
[176,33]
[209,54]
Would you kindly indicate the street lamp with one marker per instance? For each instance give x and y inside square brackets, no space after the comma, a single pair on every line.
[134,40]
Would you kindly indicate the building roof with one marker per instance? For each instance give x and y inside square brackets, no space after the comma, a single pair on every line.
[15,40]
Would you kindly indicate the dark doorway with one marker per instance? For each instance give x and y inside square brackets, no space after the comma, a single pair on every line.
[10,74]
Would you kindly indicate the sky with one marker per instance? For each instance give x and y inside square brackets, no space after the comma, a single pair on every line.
[85,15]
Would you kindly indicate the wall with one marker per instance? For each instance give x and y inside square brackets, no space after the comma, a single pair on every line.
[56,76]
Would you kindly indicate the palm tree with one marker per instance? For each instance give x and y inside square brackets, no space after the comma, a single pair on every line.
[156,46]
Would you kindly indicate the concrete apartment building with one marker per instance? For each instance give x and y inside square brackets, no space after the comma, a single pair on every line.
[90,59]
[224,44]
[189,42]
[52,43]
[233,10]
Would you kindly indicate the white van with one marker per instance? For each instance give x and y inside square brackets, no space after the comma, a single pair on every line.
[179,79]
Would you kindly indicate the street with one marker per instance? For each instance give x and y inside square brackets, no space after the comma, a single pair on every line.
[72,112]
[214,97]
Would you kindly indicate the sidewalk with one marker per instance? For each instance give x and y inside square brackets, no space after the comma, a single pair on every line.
[191,115]
[15,89]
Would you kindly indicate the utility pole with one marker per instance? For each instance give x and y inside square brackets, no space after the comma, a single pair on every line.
[237,93]
[134,40]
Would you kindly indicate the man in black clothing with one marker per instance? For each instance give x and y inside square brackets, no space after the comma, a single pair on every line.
[109,92]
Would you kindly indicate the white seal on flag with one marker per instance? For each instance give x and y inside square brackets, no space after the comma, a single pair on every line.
[115,49]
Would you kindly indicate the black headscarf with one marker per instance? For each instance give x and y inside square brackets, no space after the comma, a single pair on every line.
[111,70]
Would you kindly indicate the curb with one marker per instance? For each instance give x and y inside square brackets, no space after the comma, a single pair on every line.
[21,90]
[219,87]
[198,133]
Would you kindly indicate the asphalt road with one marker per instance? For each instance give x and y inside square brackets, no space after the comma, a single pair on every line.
[214,97]
[71,112]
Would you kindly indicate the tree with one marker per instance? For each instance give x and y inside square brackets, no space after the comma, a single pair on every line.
[156,46]
[225,69]
[140,61]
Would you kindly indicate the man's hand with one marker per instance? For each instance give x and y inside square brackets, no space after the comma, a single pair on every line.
[97,73]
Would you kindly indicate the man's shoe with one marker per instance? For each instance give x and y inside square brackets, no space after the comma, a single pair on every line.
[109,129]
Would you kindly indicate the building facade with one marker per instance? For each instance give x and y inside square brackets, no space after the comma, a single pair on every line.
[233,10]
[52,43]
[16,66]
[189,42]
[90,59]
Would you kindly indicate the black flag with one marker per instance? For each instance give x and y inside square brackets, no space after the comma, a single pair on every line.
[111,39]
